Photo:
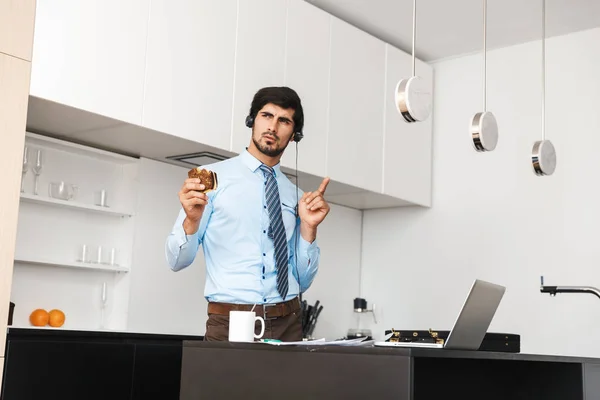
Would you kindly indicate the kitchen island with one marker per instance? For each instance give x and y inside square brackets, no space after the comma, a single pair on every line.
[260,371]
[56,363]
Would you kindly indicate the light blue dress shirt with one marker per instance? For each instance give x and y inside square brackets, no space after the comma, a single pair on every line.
[240,261]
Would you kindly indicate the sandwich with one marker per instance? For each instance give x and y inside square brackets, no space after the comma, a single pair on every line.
[207,178]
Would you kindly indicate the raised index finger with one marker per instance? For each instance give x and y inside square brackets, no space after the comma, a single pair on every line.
[324,185]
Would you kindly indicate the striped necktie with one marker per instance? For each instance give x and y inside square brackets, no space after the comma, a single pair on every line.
[276,230]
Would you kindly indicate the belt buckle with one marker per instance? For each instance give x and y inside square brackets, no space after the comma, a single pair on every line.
[265,311]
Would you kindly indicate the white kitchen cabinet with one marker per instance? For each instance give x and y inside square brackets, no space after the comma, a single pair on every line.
[259,59]
[91,55]
[307,72]
[355,141]
[189,69]
[16,27]
[407,146]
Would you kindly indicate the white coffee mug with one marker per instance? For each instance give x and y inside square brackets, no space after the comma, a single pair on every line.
[241,326]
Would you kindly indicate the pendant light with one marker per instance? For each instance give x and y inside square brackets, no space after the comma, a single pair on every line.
[484,128]
[412,96]
[543,154]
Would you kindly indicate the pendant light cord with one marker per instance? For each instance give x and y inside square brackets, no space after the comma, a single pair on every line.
[543,69]
[414,35]
[484,55]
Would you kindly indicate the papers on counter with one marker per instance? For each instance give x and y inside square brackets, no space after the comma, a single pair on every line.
[323,342]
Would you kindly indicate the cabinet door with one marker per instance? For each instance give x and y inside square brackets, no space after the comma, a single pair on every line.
[189,69]
[407,146]
[307,72]
[91,55]
[157,370]
[16,27]
[355,142]
[68,370]
[259,59]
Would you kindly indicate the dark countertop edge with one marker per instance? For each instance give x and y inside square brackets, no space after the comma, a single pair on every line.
[15,333]
[387,351]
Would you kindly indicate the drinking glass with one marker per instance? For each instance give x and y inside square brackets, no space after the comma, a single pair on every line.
[25,167]
[37,169]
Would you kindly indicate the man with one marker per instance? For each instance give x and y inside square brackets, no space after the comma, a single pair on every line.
[260,255]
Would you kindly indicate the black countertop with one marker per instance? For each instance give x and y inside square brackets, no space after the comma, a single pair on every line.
[395,351]
[16,333]
[27,333]
[334,371]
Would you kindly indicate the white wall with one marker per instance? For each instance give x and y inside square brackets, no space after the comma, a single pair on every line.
[159,299]
[337,283]
[492,218]
[77,292]
[172,302]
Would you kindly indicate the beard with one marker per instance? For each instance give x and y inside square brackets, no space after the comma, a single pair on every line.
[272,150]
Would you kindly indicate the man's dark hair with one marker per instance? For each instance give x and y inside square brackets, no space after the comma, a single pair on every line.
[283,97]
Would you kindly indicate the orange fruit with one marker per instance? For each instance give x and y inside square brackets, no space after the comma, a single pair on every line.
[56,318]
[39,317]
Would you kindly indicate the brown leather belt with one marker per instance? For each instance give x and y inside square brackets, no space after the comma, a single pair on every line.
[264,310]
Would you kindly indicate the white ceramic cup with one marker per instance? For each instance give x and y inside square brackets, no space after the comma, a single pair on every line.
[241,326]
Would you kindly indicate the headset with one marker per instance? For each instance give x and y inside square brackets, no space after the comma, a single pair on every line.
[297,135]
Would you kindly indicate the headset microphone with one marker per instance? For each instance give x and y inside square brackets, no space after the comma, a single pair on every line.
[298,136]
[298,233]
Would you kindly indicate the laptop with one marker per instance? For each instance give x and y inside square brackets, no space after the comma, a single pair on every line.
[472,323]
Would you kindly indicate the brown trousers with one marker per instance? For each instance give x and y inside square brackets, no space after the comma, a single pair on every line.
[286,329]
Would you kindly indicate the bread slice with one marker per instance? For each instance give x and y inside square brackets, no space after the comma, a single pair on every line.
[207,178]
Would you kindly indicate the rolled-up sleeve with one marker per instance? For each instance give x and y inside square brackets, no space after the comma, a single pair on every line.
[181,249]
[306,260]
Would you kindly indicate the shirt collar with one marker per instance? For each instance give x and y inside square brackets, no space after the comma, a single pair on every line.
[254,163]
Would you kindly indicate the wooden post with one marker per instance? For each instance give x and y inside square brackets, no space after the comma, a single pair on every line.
[17,19]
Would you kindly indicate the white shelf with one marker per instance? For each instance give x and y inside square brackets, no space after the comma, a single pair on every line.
[73,264]
[76,148]
[30,198]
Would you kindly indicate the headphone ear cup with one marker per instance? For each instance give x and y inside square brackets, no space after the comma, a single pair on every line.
[249,121]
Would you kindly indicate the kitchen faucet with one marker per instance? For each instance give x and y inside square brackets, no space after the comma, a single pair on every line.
[567,289]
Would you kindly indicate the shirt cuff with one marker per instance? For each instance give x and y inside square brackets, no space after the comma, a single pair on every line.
[181,238]
[307,249]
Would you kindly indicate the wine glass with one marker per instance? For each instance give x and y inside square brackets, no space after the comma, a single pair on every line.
[37,169]
[104,300]
[25,167]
